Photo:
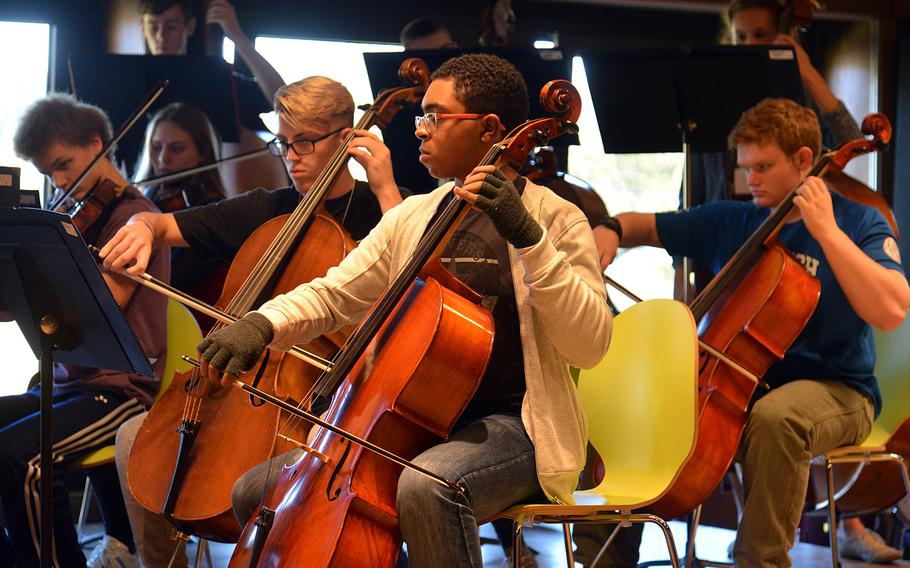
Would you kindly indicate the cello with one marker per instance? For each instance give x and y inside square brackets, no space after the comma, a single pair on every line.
[403,379]
[207,453]
[751,312]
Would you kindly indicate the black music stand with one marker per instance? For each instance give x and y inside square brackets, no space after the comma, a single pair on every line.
[537,66]
[661,100]
[52,286]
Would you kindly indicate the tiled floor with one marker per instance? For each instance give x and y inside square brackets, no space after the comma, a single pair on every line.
[547,541]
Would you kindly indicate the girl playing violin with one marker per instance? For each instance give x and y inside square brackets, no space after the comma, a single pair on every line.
[179,137]
[531,256]
[823,393]
[61,136]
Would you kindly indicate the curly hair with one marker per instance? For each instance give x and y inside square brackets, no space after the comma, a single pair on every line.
[488,84]
[790,125]
[59,117]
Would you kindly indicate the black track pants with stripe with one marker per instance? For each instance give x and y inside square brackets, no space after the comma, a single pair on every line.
[84,421]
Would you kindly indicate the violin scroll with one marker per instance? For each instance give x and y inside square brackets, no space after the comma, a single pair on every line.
[561,97]
[876,125]
[558,96]
[414,71]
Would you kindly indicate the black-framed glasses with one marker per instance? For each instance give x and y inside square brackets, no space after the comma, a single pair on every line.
[430,120]
[279,147]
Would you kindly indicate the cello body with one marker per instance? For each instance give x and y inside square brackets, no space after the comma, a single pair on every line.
[754,324]
[404,394]
[238,432]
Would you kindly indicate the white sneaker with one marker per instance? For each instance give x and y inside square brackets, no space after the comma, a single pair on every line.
[111,553]
[868,546]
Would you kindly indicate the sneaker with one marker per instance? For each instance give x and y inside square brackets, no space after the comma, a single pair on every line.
[111,553]
[868,546]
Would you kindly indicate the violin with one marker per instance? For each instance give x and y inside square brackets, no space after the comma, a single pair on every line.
[751,312]
[85,211]
[336,505]
[176,196]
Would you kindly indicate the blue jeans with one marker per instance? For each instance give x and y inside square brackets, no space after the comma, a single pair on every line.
[493,459]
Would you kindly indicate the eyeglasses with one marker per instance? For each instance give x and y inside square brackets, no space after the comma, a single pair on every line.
[430,121]
[279,147]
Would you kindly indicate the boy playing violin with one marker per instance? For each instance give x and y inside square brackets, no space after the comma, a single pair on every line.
[531,256]
[61,136]
[823,393]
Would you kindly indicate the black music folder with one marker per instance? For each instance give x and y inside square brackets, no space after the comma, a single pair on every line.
[642,97]
[116,83]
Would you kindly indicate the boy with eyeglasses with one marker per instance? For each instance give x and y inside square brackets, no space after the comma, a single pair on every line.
[531,256]
[314,115]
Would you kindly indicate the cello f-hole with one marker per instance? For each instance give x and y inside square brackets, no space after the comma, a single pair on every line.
[329,494]
[259,373]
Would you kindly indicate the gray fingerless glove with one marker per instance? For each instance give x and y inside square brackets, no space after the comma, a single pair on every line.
[234,349]
[499,199]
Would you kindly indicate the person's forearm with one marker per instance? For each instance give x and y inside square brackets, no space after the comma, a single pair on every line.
[638,229]
[165,231]
[879,295]
[266,76]
[388,198]
[819,90]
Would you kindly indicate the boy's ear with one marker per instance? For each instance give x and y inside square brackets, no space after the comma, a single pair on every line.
[493,129]
[804,158]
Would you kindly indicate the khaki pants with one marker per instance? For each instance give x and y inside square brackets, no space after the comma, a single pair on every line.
[151,531]
[786,428]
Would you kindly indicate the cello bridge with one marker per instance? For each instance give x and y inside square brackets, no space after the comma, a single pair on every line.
[308,449]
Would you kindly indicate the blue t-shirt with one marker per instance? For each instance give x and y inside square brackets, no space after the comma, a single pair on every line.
[836,344]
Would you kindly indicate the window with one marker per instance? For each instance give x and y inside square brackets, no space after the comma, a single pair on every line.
[24,52]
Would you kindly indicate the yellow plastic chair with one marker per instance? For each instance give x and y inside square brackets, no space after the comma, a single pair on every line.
[183,335]
[641,403]
[882,453]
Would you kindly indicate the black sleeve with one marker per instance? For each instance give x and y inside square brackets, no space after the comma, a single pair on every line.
[217,230]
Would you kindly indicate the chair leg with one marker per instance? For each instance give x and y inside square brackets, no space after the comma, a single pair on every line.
[690,544]
[516,542]
[567,537]
[606,545]
[83,509]
[201,553]
[832,513]
[668,536]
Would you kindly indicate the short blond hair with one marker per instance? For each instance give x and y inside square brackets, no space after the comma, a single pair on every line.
[315,100]
[790,125]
